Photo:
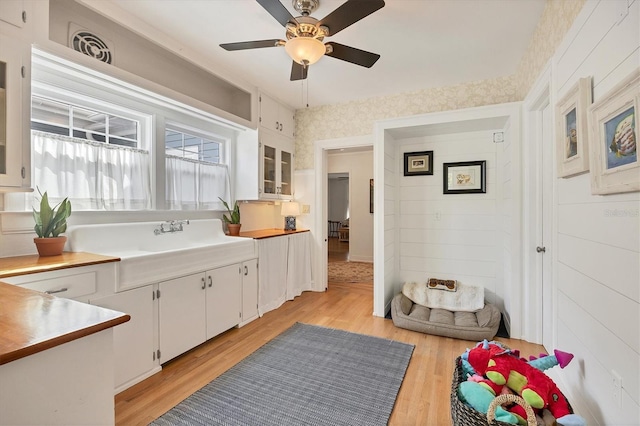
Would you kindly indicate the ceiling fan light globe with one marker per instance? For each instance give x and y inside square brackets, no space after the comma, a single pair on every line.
[305,50]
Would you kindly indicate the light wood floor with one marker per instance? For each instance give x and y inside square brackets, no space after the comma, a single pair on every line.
[423,398]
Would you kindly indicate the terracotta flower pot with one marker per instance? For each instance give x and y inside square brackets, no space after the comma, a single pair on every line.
[50,246]
[234,229]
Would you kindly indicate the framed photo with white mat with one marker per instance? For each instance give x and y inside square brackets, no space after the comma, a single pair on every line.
[572,129]
[613,127]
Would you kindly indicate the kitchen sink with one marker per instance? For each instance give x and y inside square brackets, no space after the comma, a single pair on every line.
[151,252]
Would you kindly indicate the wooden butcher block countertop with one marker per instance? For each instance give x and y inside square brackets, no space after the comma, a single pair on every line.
[31,321]
[268,233]
[31,264]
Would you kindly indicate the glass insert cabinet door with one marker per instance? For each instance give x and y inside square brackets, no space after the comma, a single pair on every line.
[269,170]
[285,173]
[3,117]
[12,110]
[277,170]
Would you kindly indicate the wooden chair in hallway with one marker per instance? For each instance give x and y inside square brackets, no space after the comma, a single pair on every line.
[334,225]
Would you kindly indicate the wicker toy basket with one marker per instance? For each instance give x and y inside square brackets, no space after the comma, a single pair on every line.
[463,415]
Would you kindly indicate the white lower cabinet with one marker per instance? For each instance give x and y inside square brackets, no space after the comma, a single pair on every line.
[133,341]
[198,307]
[249,290]
[224,299]
[182,315]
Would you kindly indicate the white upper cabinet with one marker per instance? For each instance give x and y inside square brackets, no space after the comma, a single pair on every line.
[276,117]
[13,12]
[15,59]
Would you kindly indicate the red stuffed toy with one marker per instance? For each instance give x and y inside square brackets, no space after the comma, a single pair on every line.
[502,368]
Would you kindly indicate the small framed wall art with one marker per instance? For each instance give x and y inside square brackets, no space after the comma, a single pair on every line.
[613,126]
[572,131]
[418,163]
[468,177]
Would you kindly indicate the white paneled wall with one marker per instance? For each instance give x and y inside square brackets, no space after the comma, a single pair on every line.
[597,269]
[452,236]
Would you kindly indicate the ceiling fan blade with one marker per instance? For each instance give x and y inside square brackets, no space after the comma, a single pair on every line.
[250,44]
[349,13]
[353,55]
[278,11]
[298,72]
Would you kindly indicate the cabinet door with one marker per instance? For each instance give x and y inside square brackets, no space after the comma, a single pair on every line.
[286,118]
[11,12]
[133,340]
[270,162]
[269,113]
[286,173]
[182,315]
[11,111]
[249,289]
[224,299]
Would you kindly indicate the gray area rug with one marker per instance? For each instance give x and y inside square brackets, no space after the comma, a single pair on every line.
[308,375]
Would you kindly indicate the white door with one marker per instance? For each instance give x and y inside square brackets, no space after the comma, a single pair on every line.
[182,315]
[132,341]
[546,207]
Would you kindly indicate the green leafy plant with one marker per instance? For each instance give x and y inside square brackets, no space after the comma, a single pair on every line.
[234,216]
[51,222]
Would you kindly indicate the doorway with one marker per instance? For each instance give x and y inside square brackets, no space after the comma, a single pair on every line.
[338,213]
[321,221]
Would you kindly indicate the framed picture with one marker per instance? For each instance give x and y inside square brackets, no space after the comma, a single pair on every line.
[418,163]
[613,126]
[370,195]
[467,177]
[572,147]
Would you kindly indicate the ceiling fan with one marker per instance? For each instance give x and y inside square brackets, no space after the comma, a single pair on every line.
[305,34]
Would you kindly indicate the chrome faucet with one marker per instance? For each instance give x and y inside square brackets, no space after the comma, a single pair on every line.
[177,225]
[170,226]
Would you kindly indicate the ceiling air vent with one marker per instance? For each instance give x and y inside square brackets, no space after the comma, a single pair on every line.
[90,44]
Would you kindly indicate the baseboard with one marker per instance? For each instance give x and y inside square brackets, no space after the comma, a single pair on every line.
[507,322]
[138,379]
[365,259]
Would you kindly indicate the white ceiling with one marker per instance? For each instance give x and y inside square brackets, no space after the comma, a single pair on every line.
[422,43]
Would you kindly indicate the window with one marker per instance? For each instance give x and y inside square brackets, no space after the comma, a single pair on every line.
[184,145]
[194,176]
[107,145]
[71,120]
[90,156]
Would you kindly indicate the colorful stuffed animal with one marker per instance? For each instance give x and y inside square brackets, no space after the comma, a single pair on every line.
[502,368]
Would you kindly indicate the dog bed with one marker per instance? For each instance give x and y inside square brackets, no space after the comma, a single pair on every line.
[474,326]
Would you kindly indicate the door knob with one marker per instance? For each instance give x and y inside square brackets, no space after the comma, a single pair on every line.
[541,249]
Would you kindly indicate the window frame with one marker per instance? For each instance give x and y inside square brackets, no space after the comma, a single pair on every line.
[61,79]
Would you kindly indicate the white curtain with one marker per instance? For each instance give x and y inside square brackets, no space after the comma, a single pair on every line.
[272,274]
[195,185]
[94,175]
[298,265]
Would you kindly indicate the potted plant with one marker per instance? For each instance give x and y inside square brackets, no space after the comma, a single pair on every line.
[50,223]
[233,220]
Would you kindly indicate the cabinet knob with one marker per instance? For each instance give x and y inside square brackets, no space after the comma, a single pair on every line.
[210,281]
[246,270]
[277,125]
[203,284]
[280,126]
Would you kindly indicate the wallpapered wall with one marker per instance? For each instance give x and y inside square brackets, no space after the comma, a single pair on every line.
[357,118]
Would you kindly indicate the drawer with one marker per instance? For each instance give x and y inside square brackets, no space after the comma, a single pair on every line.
[69,286]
